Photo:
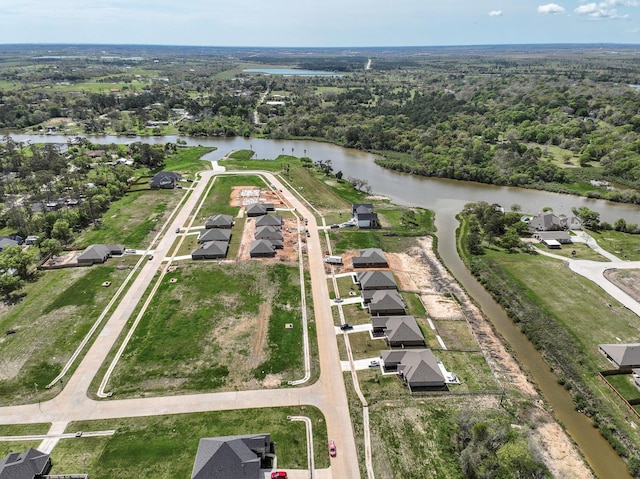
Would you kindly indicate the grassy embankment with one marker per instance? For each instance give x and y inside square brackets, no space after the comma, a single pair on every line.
[566,316]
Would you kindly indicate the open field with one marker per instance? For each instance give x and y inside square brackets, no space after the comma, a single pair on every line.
[217,327]
[219,199]
[624,245]
[582,251]
[166,446]
[50,321]
[133,219]
[187,162]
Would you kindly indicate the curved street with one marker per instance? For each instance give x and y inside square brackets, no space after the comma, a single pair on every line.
[328,393]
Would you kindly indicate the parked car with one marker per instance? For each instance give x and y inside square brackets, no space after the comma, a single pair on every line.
[332,448]
[279,475]
[374,364]
[130,251]
[338,300]
[150,257]
[346,326]
[177,230]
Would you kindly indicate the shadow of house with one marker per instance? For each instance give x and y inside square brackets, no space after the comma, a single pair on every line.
[219,221]
[214,234]
[33,464]
[370,258]
[211,250]
[418,369]
[165,180]
[386,303]
[364,215]
[233,457]
[624,357]
[398,331]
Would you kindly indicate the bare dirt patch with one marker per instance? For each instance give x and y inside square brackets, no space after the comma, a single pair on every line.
[421,270]
[261,324]
[628,280]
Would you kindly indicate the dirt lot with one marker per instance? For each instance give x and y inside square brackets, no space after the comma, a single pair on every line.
[420,270]
[628,280]
[245,196]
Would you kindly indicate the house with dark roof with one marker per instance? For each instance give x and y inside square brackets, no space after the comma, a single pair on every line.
[546,221]
[256,209]
[386,303]
[214,234]
[32,464]
[623,356]
[369,280]
[99,253]
[5,242]
[269,220]
[211,250]
[233,457]
[398,331]
[364,216]
[165,179]
[270,233]
[262,249]
[417,368]
[219,221]
[370,258]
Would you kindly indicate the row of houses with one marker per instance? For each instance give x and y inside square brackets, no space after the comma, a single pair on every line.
[415,365]
[268,235]
[215,238]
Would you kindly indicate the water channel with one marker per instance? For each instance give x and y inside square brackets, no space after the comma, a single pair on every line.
[446,198]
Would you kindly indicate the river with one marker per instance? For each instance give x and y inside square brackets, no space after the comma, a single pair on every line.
[446,198]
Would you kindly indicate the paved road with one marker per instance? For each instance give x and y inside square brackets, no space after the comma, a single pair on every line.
[328,394]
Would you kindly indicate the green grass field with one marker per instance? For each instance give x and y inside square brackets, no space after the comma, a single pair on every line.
[187,161]
[166,446]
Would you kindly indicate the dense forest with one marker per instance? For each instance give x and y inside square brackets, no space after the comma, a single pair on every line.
[554,117]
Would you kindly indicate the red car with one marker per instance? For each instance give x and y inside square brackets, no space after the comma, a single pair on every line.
[278,475]
[332,448]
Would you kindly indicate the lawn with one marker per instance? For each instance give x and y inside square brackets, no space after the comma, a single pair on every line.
[133,220]
[219,198]
[166,446]
[582,251]
[456,335]
[217,327]
[624,245]
[625,385]
[187,162]
[51,320]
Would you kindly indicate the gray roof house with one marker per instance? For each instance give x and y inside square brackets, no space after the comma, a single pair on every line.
[6,242]
[233,457]
[269,220]
[33,464]
[364,215]
[165,179]
[96,253]
[546,221]
[553,239]
[398,331]
[623,356]
[386,302]
[262,249]
[256,209]
[370,258]
[376,280]
[417,368]
[211,250]
[214,234]
[219,221]
[268,233]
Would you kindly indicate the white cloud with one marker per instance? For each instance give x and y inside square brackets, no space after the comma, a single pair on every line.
[550,8]
[495,13]
[605,9]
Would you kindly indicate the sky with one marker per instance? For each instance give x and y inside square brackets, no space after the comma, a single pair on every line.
[313,23]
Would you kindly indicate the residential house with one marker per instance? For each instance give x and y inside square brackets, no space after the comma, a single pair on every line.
[269,233]
[623,356]
[214,234]
[211,250]
[165,179]
[370,258]
[233,457]
[219,221]
[31,240]
[370,280]
[553,239]
[269,220]
[546,221]
[386,303]
[364,216]
[417,368]
[33,464]
[256,209]
[398,331]
[5,242]
[262,249]
[99,253]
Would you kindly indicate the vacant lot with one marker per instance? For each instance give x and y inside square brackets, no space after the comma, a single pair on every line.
[50,321]
[166,446]
[216,327]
